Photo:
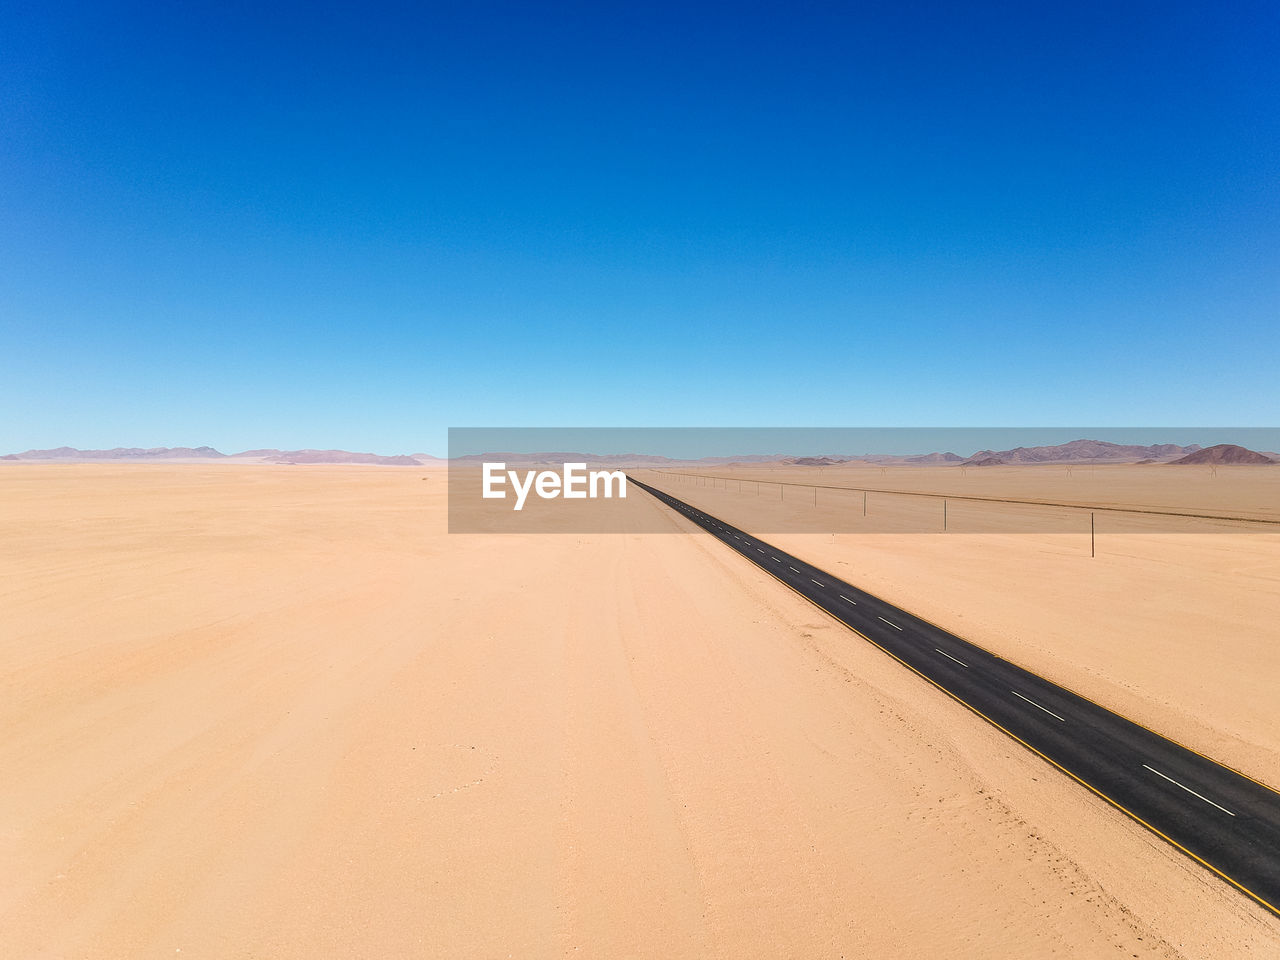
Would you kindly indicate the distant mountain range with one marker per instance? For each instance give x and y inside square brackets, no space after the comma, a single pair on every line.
[120,453]
[138,454]
[1076,451]
[335,456]
[1087,451]
[544,458]
[811,461]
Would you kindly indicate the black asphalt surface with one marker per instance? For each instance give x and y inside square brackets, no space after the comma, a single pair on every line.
[1223,819]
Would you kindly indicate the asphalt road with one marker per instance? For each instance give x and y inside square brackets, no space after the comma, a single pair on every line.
[1219,817]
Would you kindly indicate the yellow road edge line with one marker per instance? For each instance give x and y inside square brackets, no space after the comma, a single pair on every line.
[1136,723]
[1085,783]
[1235,883]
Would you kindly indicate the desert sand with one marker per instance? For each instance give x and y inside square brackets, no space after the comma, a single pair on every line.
[271,711]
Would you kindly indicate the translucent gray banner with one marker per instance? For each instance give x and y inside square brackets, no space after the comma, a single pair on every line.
[1024,480]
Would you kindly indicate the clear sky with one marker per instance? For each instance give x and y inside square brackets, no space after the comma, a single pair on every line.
[330,225]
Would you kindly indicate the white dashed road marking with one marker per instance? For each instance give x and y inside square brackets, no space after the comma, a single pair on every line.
[1037,706]
[1190,791]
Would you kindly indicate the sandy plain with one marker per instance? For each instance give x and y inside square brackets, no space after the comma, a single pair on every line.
[259,711]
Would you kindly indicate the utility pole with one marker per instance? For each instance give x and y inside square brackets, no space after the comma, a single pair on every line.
[944,514]
[1093,552]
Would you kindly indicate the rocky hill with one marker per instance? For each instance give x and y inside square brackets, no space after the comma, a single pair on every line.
[1225,453]
[1087,451]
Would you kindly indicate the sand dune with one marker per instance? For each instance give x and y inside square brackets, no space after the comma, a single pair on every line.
[255,711]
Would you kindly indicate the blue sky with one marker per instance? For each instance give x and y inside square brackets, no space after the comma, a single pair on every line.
[317,226]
